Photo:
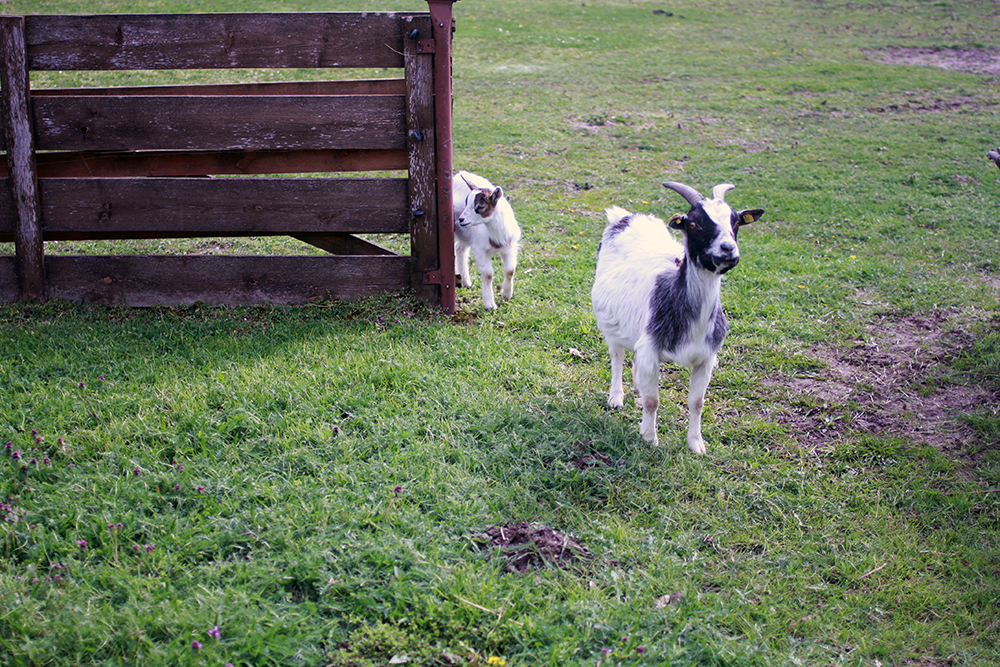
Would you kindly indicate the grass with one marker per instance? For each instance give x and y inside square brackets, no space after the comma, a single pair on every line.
[311,481]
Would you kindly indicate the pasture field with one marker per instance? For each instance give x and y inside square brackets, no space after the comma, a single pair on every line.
[375,483]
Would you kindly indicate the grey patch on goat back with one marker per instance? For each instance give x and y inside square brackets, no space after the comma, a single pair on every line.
[616,228]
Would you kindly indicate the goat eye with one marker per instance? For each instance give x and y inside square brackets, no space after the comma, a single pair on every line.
[692,225]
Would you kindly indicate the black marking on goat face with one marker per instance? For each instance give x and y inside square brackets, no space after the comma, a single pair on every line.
[486,201]
[673,312]
[711,245]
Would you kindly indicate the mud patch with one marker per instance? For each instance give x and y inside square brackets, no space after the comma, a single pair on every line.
[587,457]
[532,546]
[893,383]
[974,61]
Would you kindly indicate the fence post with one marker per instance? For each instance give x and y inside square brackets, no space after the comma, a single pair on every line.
[29,250]
[425,251]
[441,19]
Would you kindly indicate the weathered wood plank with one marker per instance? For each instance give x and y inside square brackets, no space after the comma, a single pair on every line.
[219,123]
[286,88]
[213,41]
[221,280]
[76,208]
[324,87]
[22,186]
[126,164]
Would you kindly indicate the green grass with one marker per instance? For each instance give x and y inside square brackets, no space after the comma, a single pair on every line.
[312,481]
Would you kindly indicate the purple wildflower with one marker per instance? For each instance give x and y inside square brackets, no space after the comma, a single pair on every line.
[215,633]
[136,547]
[398,489]
[136,471]
[16,455]
[196,645]
[640,649]
[82,544]
[177,487]
[149,548]
[200,489]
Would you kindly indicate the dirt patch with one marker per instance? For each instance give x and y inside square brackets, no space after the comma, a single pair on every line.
[892,383]
[587,457]
[975,61]
[532,546]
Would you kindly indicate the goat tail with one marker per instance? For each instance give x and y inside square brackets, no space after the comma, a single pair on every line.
[616,214]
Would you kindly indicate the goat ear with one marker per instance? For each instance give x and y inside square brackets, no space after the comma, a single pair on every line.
[677,221]
[748,216]
[495,196]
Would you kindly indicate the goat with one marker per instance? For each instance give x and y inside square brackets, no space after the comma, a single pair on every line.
[660,300]
[484,224]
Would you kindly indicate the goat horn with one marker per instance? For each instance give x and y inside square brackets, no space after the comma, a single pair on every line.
[471,186]
[720,190]
[692,196]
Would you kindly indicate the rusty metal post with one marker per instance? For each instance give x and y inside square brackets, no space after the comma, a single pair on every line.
[29,250]
[441,18]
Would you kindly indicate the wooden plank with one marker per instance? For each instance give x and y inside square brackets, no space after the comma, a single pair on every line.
[219,123]
[126,164]
[221,280]
[421,139]
[29,250]
[213,41]
[194,207]
[324,87]
[286,88]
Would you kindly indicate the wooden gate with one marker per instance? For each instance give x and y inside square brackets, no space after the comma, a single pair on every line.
[152,162]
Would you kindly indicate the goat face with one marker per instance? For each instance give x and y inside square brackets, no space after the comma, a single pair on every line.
[480,205]
[710,227]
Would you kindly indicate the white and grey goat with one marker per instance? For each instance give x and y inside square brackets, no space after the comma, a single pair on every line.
[660,300]
[484,224]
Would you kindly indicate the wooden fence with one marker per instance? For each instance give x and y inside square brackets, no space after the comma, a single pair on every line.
[136,162]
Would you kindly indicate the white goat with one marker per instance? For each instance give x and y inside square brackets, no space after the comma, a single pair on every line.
[484,224]
[661,300]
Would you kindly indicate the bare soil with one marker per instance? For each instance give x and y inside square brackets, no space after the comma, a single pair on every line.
[532,546]
[895,382]
[975,61]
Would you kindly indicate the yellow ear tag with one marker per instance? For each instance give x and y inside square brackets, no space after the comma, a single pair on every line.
[675,217]
[747,218]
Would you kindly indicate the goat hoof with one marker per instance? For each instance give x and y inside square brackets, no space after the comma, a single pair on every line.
[697,446]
